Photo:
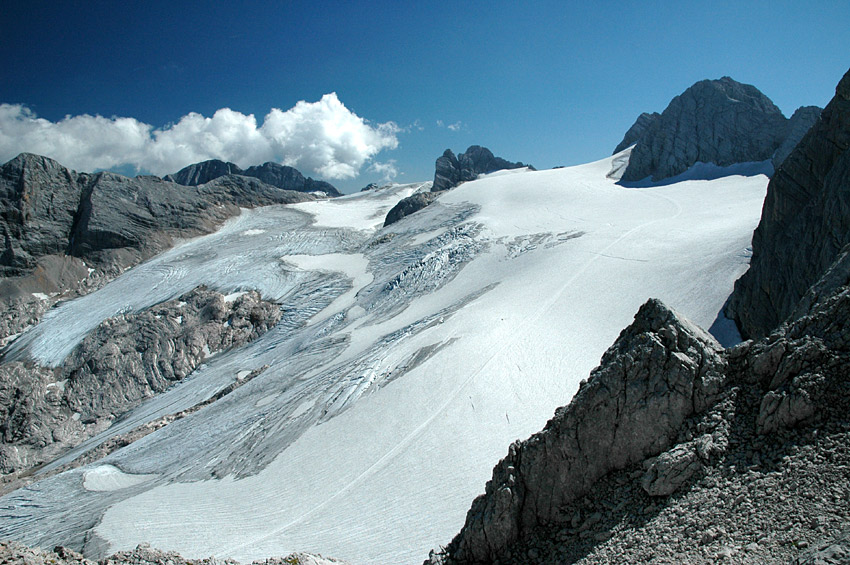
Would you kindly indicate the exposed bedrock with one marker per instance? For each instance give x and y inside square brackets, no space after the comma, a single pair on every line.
[804,225]
[409,205]
[476,160]
[66,233]
[714,121]
[273,174]
[124,361]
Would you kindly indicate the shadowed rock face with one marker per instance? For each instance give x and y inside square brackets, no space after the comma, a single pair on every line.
[409,205]
[637,130]
[68,232]
[273,174]
[477,160]
[804,225]
[714,121]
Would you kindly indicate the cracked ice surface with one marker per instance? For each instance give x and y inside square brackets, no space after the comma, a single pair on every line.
[407,360]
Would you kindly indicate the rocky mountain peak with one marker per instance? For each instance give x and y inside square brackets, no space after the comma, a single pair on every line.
[718,121]
[273,174]
[452,170]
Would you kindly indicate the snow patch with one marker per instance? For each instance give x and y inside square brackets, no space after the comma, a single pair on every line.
[104,478]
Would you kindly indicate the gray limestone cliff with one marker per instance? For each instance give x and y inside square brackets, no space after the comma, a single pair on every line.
[124,361]
[805,222]
[476,160]
[66,233]
[634,133]
[273,174]
[722,121]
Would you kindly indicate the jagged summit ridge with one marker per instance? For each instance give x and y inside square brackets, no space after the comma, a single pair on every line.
[273,174]
[722,121]
[476,160]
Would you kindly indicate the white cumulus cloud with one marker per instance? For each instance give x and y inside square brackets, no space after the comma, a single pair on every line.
[323,138]
[388,170]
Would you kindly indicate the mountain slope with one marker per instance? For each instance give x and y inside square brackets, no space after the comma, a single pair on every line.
[406,359]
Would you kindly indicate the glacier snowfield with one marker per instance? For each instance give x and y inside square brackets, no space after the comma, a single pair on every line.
[407,360]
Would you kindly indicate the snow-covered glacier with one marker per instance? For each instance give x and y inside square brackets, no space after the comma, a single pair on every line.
[408,358]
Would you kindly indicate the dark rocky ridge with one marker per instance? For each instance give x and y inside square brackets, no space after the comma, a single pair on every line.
[124,361]
[66,233]
[714,121]
[804,224]
[476,160]
[273,174]
[409,205]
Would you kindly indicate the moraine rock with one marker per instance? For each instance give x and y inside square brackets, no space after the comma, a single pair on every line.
[11,552]
[409,205]
[124,361]
[477,160]
[273,174]
[714,121]
[805,222]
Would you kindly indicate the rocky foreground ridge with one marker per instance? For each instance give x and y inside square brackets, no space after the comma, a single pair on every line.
[67,233]
[676,450]
[714,121]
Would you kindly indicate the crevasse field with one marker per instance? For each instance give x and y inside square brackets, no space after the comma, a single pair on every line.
[407,360]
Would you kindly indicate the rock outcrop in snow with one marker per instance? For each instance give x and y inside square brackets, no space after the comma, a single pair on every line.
[409,205]
[121,363]
[714,121]
[67,233]
[804,225]
[273,174]
[476,160]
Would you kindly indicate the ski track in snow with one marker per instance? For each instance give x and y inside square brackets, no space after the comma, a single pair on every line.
[407,359]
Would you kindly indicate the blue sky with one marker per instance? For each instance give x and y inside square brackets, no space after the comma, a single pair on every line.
[547,83]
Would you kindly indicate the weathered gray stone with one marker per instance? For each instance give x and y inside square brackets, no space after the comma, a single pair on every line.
[637,130]
[660,371]
[805,223]
[121,363]
[67,233]
[477,160]
[714,121]
[799,124]
[671,470]
[273,174]
[409,205]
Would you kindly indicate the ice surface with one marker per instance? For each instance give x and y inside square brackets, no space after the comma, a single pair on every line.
[407,360]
